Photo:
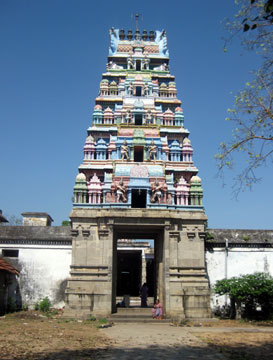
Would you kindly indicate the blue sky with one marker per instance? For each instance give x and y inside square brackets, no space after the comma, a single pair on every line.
[53,53]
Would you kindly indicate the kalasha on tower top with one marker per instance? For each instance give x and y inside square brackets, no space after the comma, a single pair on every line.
[137,153]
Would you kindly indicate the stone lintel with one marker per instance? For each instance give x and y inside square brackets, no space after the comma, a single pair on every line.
[138,215]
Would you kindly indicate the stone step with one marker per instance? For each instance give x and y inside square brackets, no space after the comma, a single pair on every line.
[131,315]
[134,310]
[113,319]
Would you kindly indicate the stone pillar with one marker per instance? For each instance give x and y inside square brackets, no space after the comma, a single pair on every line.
[89,289]
[143,268]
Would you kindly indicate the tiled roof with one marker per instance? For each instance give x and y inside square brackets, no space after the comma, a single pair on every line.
[4,265]
[240,236]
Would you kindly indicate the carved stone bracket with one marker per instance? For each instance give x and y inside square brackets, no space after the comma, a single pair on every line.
[191,235]
[202,235]
[74,232]
[85,232]
[175,234]
[103,233]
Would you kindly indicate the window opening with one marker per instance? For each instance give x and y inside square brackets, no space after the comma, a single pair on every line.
[138,119]
[138,65]
[138,90]
[10,253]
[138,154]
[139,198]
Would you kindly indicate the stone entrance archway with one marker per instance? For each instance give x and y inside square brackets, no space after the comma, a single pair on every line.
[149,231]
[181,281]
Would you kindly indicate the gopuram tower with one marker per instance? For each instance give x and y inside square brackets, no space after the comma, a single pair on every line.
[138,181]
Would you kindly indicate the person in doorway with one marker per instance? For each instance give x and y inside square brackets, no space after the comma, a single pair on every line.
[144,295]
[157,310]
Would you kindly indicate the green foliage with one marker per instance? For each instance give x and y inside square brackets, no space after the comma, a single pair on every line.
[250,290]
[44,305]
[25,307]
[266,16]
[252,113]
[65,223]
[209,237]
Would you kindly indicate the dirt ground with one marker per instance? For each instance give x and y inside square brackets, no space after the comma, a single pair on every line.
[240,345]
[242,340]
[32,336]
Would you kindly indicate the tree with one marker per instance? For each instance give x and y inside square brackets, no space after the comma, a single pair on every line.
[66,223]
[252,113]
[13,220]
[250,291]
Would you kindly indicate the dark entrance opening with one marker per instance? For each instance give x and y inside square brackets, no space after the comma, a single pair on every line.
[135,262]
[139,198]
[138,154]
[138,119]
[138,90]
[128,272]
[138,65]
[150,276]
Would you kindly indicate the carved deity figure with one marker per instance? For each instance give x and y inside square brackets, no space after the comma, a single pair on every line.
[162,67]
[146,63]
[113,65]
[130,63]
[149,118]
[161,40]
[108,197]
[130,88]
[124,151]
[114,38]
[156,192]
[146,89]
[152,150]
[170,199]
[121,192]
[128,117]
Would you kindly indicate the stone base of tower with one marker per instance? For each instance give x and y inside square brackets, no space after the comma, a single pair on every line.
[180,279]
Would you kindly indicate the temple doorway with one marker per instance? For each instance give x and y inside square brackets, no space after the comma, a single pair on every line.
[136,262]
[129,271]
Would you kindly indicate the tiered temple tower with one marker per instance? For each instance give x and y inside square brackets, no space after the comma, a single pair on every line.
[137,153]
[138,180]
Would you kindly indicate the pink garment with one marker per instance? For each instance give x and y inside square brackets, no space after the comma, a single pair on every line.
[157,311]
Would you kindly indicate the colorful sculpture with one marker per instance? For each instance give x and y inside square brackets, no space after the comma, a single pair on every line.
[137,136]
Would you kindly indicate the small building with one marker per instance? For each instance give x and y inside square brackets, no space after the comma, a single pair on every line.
[36,219]
[10,297]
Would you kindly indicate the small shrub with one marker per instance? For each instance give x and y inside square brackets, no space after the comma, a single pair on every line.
[44,305]
[25,307]
[102,321]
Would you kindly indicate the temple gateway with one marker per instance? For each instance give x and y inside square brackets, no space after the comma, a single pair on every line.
[138,181]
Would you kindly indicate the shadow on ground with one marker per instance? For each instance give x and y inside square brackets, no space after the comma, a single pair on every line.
[173,352]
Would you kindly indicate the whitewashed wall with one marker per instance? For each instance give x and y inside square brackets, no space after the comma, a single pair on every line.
[44,270]
[240,261]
